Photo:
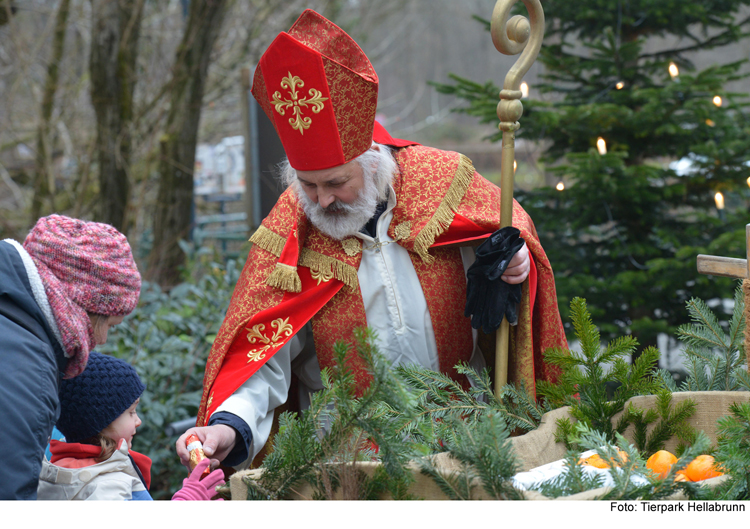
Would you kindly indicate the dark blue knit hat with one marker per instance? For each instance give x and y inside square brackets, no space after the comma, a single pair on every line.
[94,399]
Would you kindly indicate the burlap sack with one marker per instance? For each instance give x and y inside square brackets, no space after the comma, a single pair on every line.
[710,405]
[538,447]
[423,486]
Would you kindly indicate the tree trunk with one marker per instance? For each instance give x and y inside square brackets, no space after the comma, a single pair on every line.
[6,11]
[172,220]
[44,179]
[114,50]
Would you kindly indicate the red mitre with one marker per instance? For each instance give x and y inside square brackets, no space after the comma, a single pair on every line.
[320,92]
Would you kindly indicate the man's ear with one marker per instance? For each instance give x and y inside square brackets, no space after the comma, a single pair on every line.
[375,147]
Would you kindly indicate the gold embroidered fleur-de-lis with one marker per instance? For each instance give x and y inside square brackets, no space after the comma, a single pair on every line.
[315,101]
[352,246]
[322,276]
[256,335]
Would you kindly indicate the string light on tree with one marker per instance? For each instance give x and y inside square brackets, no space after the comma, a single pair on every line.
[515,166]
[717,101]
[748,181]
[710,123]
[601,146]
[620,85]
[524,90]
[561,185]
[719,199]
[673,70]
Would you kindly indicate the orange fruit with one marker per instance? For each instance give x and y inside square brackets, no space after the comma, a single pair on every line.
[702,467]
[680,476]
[660,463]
[594,461]
[598,462]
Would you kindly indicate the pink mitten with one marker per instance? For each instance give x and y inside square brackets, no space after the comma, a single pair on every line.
[194,488]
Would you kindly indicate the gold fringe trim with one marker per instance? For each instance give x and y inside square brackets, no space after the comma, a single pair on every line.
[320,263]
[443,217]
[352,246]
[285,277]
[268,240]
[403,230]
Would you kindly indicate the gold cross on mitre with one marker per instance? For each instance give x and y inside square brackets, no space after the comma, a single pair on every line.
[736,268]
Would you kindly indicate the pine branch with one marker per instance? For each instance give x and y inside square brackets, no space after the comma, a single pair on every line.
[583,382]
[715,360]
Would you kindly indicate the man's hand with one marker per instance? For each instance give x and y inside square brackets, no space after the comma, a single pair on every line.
[218,441]
[492,293]
[518,268]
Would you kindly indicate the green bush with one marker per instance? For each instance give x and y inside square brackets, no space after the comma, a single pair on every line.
[167,339]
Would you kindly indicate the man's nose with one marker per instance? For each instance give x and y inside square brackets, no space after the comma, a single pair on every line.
[325,199]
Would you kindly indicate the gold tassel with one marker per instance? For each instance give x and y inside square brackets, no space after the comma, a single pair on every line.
[444,214]
[322,263]
[285,277]
[268,240]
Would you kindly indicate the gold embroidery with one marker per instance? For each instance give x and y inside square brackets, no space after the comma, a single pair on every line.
[445,212]
[403,230]
[322,276]
[322,263]
[256,333]
[354,101]
[352,246]
[292,82]
[210,400]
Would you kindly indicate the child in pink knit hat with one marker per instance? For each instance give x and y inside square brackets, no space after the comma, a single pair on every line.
[90,278]
[60,292]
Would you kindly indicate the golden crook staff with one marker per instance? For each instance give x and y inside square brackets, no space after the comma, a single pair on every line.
[511,37]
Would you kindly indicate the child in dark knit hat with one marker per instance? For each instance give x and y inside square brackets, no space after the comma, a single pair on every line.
[98,416]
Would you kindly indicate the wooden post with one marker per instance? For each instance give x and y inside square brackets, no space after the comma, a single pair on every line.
[737,269]
[245,85]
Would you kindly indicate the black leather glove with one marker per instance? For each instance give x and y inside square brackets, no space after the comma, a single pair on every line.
[488,297]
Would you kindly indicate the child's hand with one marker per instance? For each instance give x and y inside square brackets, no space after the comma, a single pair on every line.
[195,488]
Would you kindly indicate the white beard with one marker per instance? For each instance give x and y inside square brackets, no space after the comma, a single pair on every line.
[340,220]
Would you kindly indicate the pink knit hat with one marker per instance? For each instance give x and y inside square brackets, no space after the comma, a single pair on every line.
[85,267]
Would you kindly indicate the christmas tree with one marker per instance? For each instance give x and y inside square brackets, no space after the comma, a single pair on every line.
[625,230]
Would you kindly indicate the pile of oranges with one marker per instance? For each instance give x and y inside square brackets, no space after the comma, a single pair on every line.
[700,468]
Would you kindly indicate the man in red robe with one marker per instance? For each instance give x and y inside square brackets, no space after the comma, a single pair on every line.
[371,231]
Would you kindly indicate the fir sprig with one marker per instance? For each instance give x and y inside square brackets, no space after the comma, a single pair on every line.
[572,480]
[733,453]
[322,445]
[584,380]
[485,456]
[715,359]
[672,422]
[438,396]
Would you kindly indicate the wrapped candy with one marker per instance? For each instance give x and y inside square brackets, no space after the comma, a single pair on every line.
[195,449]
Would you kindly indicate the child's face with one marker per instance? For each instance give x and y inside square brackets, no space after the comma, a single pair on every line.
[102,327]
[124,426]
